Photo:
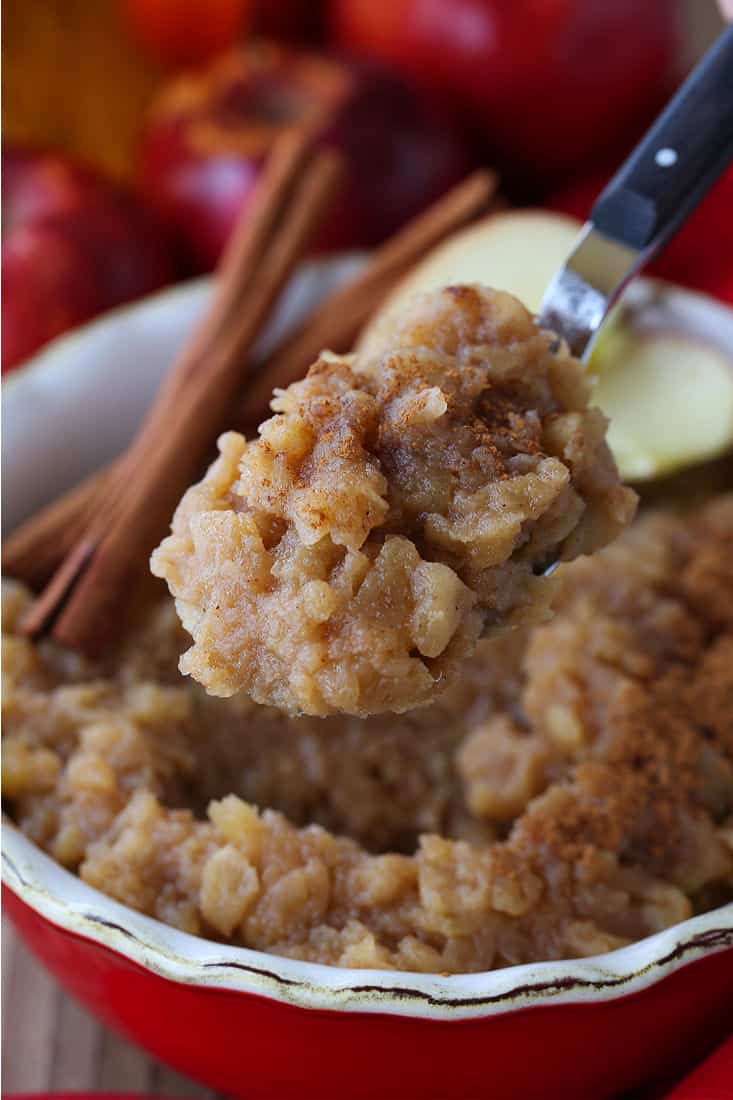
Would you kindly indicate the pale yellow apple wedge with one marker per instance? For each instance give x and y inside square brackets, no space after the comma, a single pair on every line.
[518,251]
[670,403]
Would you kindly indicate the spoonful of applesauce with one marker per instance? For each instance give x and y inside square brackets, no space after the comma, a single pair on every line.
[392,510]
[406,499]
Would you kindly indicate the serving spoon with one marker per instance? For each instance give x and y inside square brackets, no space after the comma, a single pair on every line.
[653,193]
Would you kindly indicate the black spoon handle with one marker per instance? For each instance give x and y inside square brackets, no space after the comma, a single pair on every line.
[677,161]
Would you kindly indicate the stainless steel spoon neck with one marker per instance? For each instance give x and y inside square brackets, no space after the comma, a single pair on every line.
[586,287]
[653,192]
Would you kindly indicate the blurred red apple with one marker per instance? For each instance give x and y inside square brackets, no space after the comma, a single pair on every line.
[551,83]
[73,245]
[289,20]
[187,32]
[209,134]
[700,256]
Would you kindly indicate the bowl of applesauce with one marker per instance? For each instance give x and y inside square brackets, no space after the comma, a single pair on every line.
[522,888]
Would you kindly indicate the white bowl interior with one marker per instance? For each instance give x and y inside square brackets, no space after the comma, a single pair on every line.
[73,408]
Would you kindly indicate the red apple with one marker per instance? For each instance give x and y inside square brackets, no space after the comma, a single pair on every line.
[552,83]
[74,244]
[187,32]
[289,20]
[209,134]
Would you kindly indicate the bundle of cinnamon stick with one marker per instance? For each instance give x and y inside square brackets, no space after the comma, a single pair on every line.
[90,548]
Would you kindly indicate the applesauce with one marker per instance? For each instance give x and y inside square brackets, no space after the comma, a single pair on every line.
[571,793]
[396,507]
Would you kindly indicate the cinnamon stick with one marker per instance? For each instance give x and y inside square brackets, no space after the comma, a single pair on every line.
[36,549]
[87,594]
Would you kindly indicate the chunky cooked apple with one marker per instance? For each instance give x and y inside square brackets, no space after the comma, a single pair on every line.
[396,507]
[572,792]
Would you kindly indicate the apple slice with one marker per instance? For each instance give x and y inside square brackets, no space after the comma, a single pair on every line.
[669,397]
[518,251]
[663,366]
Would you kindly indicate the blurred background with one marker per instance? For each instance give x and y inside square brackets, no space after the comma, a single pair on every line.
[136,129]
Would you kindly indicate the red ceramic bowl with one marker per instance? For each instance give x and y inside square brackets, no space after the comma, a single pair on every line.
[256,1025]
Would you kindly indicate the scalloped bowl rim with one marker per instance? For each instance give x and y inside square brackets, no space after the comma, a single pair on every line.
[61,898]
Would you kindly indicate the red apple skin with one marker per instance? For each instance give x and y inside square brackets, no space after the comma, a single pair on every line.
[47,289]
[553,86]
[700,256]
[289,20]
[191,32]
[187,32]
[74,244]
[209,134]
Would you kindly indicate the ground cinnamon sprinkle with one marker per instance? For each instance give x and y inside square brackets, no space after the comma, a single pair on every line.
[572,793]
[395,507]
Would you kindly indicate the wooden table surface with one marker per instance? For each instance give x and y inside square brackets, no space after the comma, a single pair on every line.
[57,55]
[51,1043]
